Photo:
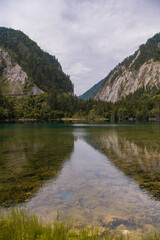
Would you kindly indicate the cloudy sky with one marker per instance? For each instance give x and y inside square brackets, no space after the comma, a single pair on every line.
[89,37]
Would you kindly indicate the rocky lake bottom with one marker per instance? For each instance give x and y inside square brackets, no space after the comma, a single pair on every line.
[94,174]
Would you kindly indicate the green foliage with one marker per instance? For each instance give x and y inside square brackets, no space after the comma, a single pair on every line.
[6,108]
[92,91]
[3,85]
[150,50]
[141,105]
[2,66]
[28,86]
[43,69]
[20,225]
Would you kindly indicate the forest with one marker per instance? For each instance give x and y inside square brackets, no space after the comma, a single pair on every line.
[58,101]
[142,105]
[42,69]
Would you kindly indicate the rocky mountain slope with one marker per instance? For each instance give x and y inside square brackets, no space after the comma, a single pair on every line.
[141,70]
[13,78]
[25,68]
[92,91]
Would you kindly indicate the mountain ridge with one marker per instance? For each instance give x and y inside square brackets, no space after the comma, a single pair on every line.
[24,67]
[142,69]
[92,91]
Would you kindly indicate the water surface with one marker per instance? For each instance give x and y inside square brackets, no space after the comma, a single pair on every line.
[94,173]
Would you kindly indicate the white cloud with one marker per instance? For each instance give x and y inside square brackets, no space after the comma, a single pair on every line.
[79,68]
[89,37]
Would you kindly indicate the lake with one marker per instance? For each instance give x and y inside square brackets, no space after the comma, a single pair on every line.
[106,174]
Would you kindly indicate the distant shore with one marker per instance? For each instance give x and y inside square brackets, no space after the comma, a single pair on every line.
[97,119]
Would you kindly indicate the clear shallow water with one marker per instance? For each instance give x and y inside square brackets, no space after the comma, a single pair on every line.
[106,174]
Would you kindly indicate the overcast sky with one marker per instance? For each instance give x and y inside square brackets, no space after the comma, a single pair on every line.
[89,37]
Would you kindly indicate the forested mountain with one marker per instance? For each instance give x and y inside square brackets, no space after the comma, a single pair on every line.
[130,91]
[92,91]
[24,67]
[141,70]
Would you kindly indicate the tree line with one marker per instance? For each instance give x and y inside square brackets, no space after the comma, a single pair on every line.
[141,105]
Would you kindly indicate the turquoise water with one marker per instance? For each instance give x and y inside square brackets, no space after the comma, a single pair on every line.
[107,174]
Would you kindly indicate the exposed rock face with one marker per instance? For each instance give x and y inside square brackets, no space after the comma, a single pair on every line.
[129,81]
[14,76]
[27,64]
[35,90]
[140,70]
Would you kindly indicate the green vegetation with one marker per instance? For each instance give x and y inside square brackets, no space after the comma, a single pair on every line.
[141,105]
[19,225]
[92,91]
[42,68]
[134,152]
[45,71]
[148,51]
[23,168]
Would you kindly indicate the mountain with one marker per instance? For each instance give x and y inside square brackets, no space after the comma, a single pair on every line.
[141,70]
[25,68]
[92,91]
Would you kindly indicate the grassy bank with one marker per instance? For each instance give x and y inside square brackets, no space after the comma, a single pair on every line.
[19,225]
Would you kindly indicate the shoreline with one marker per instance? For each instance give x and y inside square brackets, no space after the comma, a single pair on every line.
[98,119]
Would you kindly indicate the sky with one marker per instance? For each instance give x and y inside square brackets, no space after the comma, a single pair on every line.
[89,37]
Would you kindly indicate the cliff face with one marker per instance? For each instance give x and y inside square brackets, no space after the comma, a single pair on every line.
[25,68]
[139,70]
[14,78]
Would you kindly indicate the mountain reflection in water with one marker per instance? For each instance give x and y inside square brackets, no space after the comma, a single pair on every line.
[29,157]
[135,150]
[106,174]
